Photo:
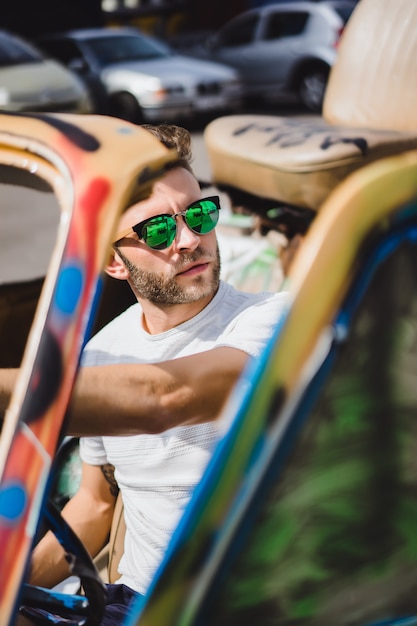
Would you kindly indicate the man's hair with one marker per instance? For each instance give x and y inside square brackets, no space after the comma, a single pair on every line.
[173,137]
[177,137]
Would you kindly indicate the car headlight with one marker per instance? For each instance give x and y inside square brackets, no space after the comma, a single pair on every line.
[158,95]
[161,94]
[148,90]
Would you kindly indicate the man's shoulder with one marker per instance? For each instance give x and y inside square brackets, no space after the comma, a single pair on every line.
[246,299]
[263,309]
[131,313]
[124,320]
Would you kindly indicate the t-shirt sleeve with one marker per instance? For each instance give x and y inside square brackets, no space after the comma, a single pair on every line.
[253,327]
[92,451]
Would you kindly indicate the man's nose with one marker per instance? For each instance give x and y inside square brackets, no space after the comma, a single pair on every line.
[185,238]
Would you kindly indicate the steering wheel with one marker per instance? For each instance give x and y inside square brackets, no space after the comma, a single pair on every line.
[44,606]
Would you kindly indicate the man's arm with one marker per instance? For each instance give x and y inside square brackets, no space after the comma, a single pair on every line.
[142,398]
[138,398]
[8,379]
[89,513]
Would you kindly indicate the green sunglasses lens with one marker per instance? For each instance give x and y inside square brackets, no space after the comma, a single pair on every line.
[202,217]
[159,232]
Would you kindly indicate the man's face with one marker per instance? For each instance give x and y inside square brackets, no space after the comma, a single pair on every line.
[185,272]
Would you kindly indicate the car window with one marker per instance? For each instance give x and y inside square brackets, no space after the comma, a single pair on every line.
[13,52]
[125,48]
[240,32]
[285,24]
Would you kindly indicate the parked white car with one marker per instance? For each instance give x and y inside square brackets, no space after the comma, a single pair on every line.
[139,78]
[30,82]
[281,50]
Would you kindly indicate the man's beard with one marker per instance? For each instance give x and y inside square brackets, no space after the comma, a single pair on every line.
[164,290]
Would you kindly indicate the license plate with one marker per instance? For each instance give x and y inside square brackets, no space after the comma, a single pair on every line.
[209,102]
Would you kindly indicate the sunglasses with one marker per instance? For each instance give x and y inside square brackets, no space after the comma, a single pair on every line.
[159,232]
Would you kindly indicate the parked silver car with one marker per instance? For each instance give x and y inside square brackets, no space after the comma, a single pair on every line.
[29,82]
[137,77]
[281,50]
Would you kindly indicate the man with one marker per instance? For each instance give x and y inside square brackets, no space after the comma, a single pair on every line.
[177,354]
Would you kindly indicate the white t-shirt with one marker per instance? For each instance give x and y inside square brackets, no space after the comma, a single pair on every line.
[157,473]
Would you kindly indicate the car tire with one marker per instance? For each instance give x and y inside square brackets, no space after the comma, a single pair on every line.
[126,107]
[312,87]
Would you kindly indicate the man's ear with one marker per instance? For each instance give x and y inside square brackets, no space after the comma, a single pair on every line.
[116,268]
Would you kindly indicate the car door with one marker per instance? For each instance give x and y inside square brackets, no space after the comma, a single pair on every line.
[263,47]
[278,48]
[234,44]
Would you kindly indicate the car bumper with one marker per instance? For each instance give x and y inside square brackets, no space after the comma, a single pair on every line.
[167,113]
[202,104]
[216,103]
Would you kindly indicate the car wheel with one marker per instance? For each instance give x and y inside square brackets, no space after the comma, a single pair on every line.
[312,87]
[125,106]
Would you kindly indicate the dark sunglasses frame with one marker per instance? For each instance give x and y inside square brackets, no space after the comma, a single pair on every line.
[137,229]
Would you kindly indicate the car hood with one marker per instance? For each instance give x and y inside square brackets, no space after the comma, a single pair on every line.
[175,68]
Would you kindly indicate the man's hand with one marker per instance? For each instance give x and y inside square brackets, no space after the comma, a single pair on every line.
[8,379]
[90,514]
